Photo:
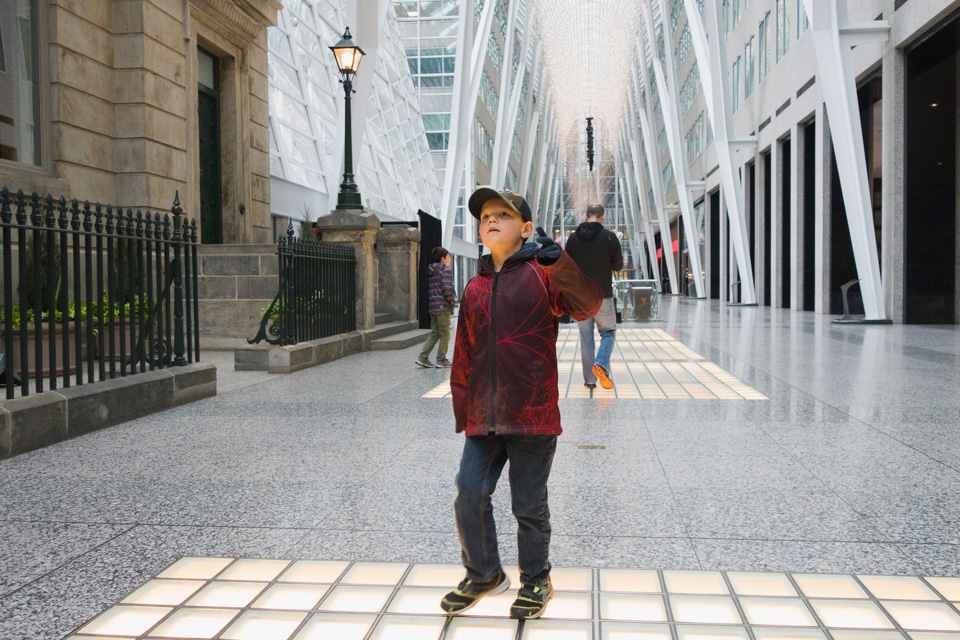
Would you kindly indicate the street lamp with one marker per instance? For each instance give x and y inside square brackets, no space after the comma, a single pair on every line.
[348,61]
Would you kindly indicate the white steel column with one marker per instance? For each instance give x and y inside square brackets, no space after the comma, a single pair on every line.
[834,36]
[653,165]
[466,86]
[709,48]
[503,100]
[536,137]
[672,123]
[504,143]
[650,248]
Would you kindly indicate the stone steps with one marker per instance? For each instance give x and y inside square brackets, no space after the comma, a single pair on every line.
[382,318]
[400,340]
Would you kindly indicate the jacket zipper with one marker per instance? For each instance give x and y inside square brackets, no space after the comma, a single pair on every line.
[493,356]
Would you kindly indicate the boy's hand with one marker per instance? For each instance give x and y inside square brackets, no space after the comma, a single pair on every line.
[549,250]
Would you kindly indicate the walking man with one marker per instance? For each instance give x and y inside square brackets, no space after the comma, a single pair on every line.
[597,252]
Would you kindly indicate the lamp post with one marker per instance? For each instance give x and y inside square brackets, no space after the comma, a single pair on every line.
[348,61]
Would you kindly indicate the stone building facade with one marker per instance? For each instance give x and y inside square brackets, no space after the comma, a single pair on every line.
[131,101]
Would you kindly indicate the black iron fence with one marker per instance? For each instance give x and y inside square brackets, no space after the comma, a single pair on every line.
[317,293]
[93,292]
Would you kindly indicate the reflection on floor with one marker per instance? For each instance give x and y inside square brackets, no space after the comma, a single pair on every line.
[250,599]
[647,364]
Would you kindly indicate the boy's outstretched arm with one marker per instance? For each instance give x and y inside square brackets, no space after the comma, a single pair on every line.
[570,290]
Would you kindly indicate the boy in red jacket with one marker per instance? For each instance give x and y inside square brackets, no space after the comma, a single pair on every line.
[504,386]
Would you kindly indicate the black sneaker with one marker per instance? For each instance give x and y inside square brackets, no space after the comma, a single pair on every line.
[531,601]
[468,593]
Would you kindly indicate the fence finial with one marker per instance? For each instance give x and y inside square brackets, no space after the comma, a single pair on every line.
[177,209]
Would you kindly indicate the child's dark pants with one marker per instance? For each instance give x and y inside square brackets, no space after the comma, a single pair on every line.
[483,459]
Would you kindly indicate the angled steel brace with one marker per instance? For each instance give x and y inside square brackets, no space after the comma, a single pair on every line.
[641,222]
[502,153]
[833,37]
[535,138]
[672,119]
[645,123]
[465,89]
[710,50]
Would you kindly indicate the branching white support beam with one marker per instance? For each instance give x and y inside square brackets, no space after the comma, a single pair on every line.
[548,203]
[833,38]
[466,86]
[650,249]
[642,206]
[653,165]
[502,161]
[503,136]
[535,138]
[672,120]
[711,58]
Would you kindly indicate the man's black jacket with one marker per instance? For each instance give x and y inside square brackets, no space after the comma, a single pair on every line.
[597,252]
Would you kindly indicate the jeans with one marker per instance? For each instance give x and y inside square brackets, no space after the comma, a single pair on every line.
[606,322]
[439,331]
[483,459]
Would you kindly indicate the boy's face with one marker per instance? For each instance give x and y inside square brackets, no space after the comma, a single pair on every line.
[502,228]
[446,260]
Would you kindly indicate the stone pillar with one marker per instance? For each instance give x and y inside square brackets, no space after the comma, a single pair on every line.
[348,227]
[397,259]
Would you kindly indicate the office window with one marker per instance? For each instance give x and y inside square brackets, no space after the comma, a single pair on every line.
[763,46]
[748,69]
[783,28]
[802,22]
[20,83]
[725,10]
[736,13]
[493,52]
[735,76]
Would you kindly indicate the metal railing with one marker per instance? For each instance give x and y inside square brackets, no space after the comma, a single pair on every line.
[92,292]
[317,293]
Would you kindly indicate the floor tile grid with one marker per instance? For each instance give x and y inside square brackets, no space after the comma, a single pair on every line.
[596,614]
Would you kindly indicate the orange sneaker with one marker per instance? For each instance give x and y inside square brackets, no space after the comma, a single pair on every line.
[603,376]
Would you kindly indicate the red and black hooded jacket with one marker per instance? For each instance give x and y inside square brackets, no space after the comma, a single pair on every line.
[504,376]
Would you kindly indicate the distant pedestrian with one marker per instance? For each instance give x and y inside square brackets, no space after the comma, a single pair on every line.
[442,301]
[598,254]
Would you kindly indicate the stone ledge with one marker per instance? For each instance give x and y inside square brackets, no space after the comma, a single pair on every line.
[54,416]
[287,359]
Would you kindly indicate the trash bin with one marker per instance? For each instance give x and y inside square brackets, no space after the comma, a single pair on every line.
[642,303]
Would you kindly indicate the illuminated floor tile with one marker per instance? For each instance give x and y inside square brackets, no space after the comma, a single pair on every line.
[646,364]
[949,588]
[696,582]
[712,633]
[829,586]
[126,621]
[480,629]
[761,584]
[323,626]
[310,600]
[410,628]
[706,609]
[787,612]
[295,597]
[264,625]
[632,631]
[164,592]
[629,581]
[418,600]
[227,594]
[254,570]
[195,623]
[557,630]
[375,573]
[851,614]
[639,608]
[923,616]
[897,588]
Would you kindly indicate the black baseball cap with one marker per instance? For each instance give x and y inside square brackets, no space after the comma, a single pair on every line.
[514,200]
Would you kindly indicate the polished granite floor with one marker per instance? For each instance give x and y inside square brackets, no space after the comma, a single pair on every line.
[849,466]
